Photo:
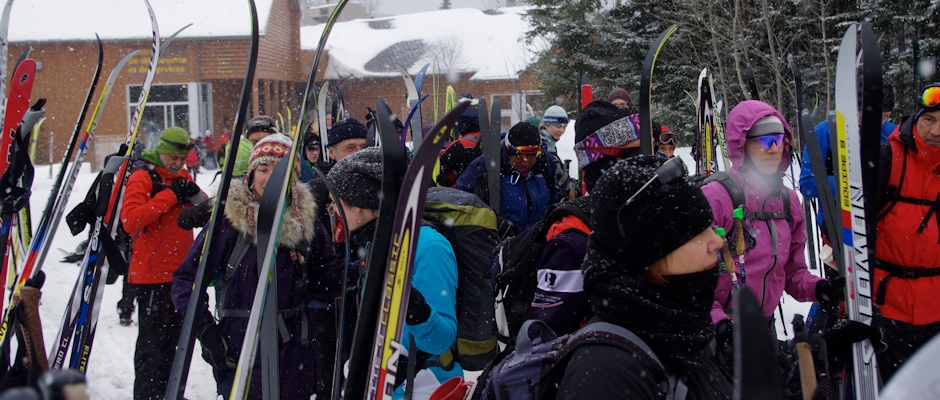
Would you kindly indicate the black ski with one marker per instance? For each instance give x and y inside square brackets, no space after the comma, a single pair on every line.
[646,94]
[492,156]
[808,211]
[184,349]
[394,166]
[754,376]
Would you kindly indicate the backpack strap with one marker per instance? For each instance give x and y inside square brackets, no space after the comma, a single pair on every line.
[736,193]
[892,193]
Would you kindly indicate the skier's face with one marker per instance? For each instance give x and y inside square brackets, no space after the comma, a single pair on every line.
[173,162]
[667,149]
[696,255]
[766,159]
[313,153]
[555,130]
[261,176]
[522,163]
[346,148]
[928,128]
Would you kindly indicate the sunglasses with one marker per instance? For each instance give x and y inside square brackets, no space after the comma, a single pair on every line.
[768,141]
[178,146]
[665,174]
[669,138]
[527,151]
[931,97]
[314,147]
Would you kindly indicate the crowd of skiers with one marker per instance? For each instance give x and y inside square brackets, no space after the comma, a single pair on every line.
[635,260]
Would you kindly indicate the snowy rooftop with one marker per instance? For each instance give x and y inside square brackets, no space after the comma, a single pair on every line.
[73,20]
[465,40]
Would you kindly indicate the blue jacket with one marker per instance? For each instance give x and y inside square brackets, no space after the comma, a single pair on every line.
[523,200]
[435,276]
[808,181]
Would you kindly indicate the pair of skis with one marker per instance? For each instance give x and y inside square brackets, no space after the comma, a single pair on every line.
[646,91]
[706,162]
[413,87]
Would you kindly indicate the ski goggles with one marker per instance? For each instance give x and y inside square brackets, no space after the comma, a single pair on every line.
[555,121]
[669,138]
[931,97]
[665,174]
[178,146]
[619,152]
[532,151]
[262,126]
[768,141]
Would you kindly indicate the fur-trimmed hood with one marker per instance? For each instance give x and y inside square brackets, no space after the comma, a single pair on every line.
[241,209]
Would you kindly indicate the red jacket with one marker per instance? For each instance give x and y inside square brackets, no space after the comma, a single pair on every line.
[159,244]
[914,301]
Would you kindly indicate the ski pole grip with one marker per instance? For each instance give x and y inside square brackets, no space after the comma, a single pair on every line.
[739,245]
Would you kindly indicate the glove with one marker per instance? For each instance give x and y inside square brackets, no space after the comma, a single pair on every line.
[724,337]
[840,337]
[195,216]
[184,189]
[214,349]
[418,310]
[830,290]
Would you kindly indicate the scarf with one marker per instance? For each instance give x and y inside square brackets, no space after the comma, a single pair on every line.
[672,318]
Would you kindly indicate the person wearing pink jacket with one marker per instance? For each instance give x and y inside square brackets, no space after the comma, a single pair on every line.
[758,141]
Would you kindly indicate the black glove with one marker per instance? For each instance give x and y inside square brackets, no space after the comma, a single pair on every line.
[214,349]
[195,216]
[724,337]
[418,310]
[831,290]
[840,337]
[184,189]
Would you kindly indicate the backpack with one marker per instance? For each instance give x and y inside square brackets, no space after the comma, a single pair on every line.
[736,193]
[533,369]
[515,266]
[470,227]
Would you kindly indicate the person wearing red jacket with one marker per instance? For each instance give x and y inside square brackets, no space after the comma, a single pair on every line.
[907,245]
[154,196]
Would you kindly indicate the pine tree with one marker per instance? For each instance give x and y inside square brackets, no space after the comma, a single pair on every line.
[445,5]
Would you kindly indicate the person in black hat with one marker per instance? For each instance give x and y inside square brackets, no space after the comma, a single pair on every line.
[528,179]
[650,269]
[344,138]
[604,134]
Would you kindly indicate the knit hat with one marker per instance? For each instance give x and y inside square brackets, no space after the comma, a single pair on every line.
[621,94]
[603,125]
[269,150]
[766,126]
[174,140]
[311,139]
[357,179]
[921,109]
[349,128]
[469,122]
[523,134]
[555,115]
[261,123]
[534,120]
[660,219]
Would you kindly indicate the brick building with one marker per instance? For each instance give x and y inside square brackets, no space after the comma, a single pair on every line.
[200,74]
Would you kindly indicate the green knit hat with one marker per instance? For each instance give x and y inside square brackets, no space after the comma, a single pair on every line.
[174,140]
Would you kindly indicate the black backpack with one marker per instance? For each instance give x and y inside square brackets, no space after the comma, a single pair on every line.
[470,227]
[515,266]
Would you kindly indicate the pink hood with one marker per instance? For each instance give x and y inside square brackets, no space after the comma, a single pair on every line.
[741,118]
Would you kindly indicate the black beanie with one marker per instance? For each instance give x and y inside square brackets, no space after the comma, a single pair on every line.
[311,139]
[596,115]
[659,220]
[349,128]
[358,178]
[524,134]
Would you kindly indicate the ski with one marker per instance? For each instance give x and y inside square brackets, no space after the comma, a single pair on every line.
[271,211]
[322,96]
[646,91]
[176,386]
[495,165]
[707,163]
[808,204]
[388,337]
[752,84]
[754,377]
[855,237]
[412,114]
[412,102]
[4,53]
[61,344]
[394,166]
[585,91]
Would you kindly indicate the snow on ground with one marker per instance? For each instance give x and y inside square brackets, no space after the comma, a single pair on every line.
[111,365]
